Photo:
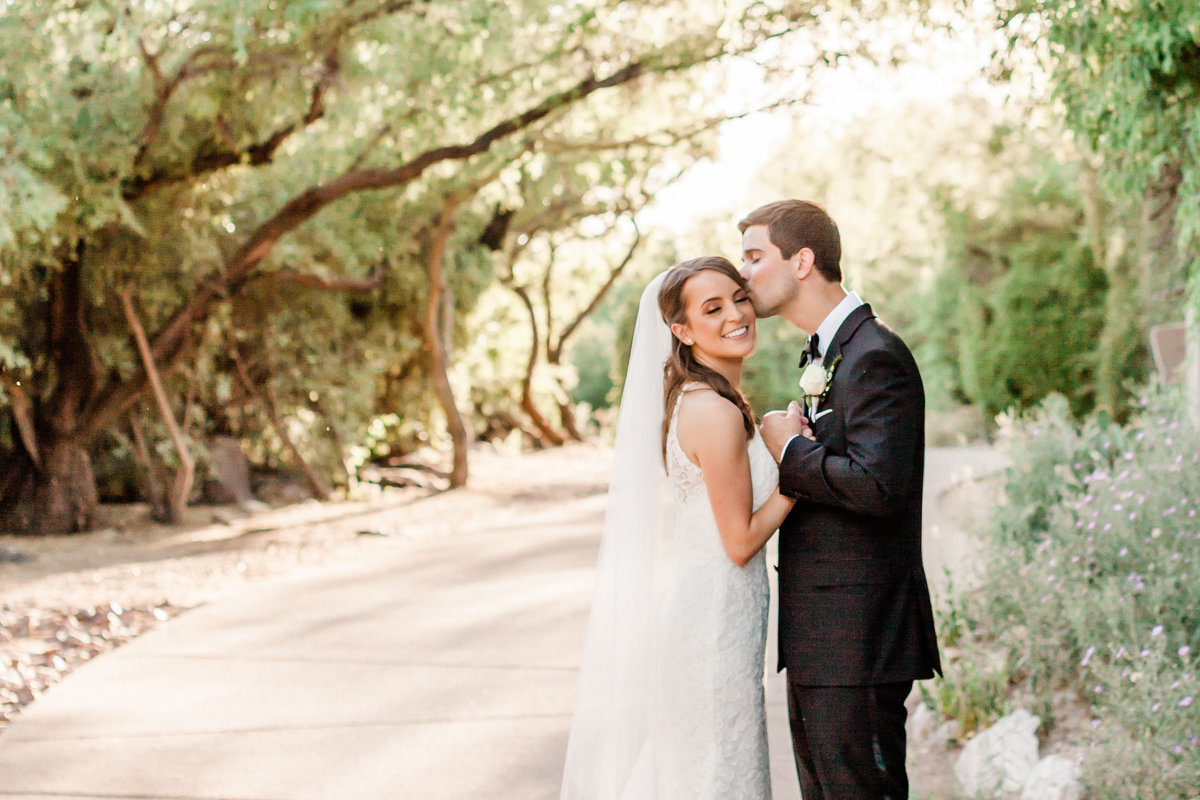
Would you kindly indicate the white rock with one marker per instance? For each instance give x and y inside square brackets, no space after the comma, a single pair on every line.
[1054,778]
[949,731]
[997,763]
[922,722]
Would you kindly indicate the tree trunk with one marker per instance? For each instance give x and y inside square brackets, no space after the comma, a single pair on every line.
[566,413]
[155,480]
[181,484]
[60,497]
[316,483]
[50,487]
[1124,326]
[1164,273]
[434,325]
[547,436]
[1164,276]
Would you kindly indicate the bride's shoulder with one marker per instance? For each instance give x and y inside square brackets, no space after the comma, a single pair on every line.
[701,408]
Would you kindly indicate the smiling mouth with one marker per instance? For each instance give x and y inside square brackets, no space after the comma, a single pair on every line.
[735,334]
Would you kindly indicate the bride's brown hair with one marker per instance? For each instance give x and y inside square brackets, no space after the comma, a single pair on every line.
[681,366]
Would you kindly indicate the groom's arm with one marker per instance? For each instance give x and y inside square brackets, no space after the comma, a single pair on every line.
[883,408]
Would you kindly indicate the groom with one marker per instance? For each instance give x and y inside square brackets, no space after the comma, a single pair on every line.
[855,622]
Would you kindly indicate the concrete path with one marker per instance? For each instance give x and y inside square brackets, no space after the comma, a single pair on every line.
[444,669]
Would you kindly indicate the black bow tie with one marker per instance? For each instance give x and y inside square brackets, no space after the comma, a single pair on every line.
[811,353]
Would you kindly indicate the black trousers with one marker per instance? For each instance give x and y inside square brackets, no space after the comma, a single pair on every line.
[849,741]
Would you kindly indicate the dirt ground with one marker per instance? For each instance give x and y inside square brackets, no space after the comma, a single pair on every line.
[67,599]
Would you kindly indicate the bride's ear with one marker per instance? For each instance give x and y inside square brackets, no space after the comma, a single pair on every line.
[681,333]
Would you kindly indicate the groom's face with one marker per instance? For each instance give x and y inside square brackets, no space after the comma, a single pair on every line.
[770,278]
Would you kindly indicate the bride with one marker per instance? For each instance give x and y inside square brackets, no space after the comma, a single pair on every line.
[670,702]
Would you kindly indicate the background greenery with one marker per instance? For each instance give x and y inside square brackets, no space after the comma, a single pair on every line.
[361,235]
[376,233]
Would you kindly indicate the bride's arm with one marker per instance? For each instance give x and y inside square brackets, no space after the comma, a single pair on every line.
[712,434]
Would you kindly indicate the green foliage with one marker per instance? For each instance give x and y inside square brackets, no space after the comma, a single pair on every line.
[963,236]
[973,691]
[1020,305]
[1091,585]
[1128,75]
[770,378]
[156,145]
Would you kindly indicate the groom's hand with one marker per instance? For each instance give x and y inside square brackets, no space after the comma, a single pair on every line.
[778,427]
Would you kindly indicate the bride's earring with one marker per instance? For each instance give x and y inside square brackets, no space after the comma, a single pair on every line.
[688,342]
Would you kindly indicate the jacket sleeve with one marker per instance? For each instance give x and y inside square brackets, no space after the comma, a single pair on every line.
[883,406]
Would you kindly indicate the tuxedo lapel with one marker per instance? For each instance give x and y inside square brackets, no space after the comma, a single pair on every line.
[847,330]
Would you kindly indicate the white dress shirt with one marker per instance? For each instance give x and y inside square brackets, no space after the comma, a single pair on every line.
[827,330]
[834,319]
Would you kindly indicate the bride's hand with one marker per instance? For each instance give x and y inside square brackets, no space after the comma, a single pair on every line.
[778,427]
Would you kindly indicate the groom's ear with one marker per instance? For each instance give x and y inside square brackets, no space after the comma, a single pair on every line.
[804,262]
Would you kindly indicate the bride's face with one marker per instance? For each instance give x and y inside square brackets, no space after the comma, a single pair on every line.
[720,320]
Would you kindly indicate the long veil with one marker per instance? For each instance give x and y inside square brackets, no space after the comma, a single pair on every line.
[610,753]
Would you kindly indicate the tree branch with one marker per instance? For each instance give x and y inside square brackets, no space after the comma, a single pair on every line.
[182,485]
[555,353]
[256,154]
[167,344]
[323,283]
[22,408]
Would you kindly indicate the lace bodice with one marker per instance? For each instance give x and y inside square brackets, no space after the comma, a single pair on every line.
[687,479]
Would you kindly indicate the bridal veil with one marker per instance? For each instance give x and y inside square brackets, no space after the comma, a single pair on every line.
[610,753]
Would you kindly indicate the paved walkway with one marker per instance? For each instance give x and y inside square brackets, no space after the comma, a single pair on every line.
[441,670]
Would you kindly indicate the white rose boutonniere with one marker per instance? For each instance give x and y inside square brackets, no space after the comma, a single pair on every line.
[815,382]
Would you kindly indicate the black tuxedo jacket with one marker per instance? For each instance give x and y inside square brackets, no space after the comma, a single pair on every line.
[854,603]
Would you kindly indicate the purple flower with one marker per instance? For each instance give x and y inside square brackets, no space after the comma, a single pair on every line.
[1183,651]
[1185,702]
[1156,630]
[1087,656]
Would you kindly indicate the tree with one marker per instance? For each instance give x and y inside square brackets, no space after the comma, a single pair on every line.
[1022,300]
[189,152]
[1128,76]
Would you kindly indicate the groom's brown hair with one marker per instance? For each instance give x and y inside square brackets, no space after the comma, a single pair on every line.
[794,224]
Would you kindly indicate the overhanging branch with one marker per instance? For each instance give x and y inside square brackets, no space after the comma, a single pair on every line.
[228,281]
[324,283]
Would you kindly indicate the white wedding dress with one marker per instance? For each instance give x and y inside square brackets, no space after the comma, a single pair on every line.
[670,701]
[711,731]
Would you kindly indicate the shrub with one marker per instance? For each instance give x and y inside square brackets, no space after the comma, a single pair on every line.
[1091,585]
